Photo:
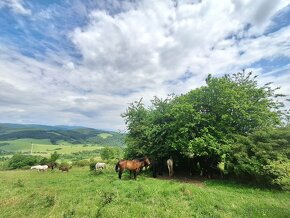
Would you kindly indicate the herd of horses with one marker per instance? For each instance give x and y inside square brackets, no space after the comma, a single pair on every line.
[49,166]
[134,166]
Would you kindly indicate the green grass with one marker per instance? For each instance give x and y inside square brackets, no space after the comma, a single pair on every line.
[104,135]
[82,194]
[44,147]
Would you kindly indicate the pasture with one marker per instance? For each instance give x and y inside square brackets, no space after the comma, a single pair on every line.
[44,147]
[80,193]
[104,135]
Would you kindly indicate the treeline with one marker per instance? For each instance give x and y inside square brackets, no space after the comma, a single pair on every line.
[231,125]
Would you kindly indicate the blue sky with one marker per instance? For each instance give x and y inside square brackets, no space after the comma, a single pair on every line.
[82,62]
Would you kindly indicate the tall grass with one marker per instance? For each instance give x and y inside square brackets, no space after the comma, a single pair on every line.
[81,193]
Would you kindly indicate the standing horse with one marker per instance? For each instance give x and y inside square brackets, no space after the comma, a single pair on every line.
[155,168]
[170,166]
[132,165]
[51,165]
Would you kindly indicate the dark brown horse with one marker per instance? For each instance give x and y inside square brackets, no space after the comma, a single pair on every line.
[132,165]
[51,165]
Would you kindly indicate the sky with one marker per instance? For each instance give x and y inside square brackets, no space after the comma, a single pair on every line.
[82,62]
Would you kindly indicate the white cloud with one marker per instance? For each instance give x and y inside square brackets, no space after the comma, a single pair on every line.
[142,51]
[16,6]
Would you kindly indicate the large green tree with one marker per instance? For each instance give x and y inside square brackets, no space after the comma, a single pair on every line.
[204,122]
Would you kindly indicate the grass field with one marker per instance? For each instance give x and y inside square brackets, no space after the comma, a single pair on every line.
[80,193]
[105,135]
[44,147]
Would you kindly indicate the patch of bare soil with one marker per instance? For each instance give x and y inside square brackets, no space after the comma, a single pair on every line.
[199,181]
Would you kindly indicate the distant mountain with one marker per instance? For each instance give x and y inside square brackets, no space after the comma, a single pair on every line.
[71,134]
[37,126]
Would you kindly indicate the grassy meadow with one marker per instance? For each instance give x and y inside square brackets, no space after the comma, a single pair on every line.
[104,135]
[44,147]
[80,193]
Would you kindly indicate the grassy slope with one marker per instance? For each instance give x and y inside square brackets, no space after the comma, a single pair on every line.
[104,135]
[81,194]
[44,147]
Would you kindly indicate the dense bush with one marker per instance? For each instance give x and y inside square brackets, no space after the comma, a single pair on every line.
[262,156]
[65,164]
[108,153]
[20,160]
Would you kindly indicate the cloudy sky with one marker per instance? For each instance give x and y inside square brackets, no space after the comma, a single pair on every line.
[81,62]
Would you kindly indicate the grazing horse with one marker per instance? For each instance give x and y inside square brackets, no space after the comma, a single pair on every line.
[51,165]
[170,166]
[132,165]
[63,168]
[100,166]
[40,167]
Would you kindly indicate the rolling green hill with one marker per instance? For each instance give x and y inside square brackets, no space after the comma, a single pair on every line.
[17,137]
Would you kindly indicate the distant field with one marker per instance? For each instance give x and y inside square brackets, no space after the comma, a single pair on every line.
[44,147]
[25,193]
[105,135]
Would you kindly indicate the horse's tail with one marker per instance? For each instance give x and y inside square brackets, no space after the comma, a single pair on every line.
[117,166]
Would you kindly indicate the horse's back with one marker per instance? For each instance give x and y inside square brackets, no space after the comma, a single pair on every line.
[100,165]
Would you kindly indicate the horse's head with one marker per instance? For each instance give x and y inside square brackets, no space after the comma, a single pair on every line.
[146,161]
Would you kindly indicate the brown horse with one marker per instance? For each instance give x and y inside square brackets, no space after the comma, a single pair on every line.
[132,165]
[51,165]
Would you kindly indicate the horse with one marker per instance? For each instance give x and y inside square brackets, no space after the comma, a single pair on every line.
[51,165]
[170,166]
[145,164]
[63,168]
[156,169]
[40,167]
[100,166]
[132,165]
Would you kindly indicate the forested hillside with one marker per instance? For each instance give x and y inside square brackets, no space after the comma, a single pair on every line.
[74,135]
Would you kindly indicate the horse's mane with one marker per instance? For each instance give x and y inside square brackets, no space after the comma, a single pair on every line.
[141,159]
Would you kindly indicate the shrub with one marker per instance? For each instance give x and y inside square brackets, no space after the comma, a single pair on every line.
[4,164]
[108,153]
[262,157]
[65,164]
[92,166]
[20,160]
[278,174]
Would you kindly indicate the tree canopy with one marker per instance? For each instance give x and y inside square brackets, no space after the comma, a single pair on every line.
[204,122]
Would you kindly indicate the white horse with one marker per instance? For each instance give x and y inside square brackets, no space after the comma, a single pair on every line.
[170,166]
[40,167]
[100,166]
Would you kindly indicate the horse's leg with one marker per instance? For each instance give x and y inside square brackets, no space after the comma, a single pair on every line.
[120,173]
[135,174]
